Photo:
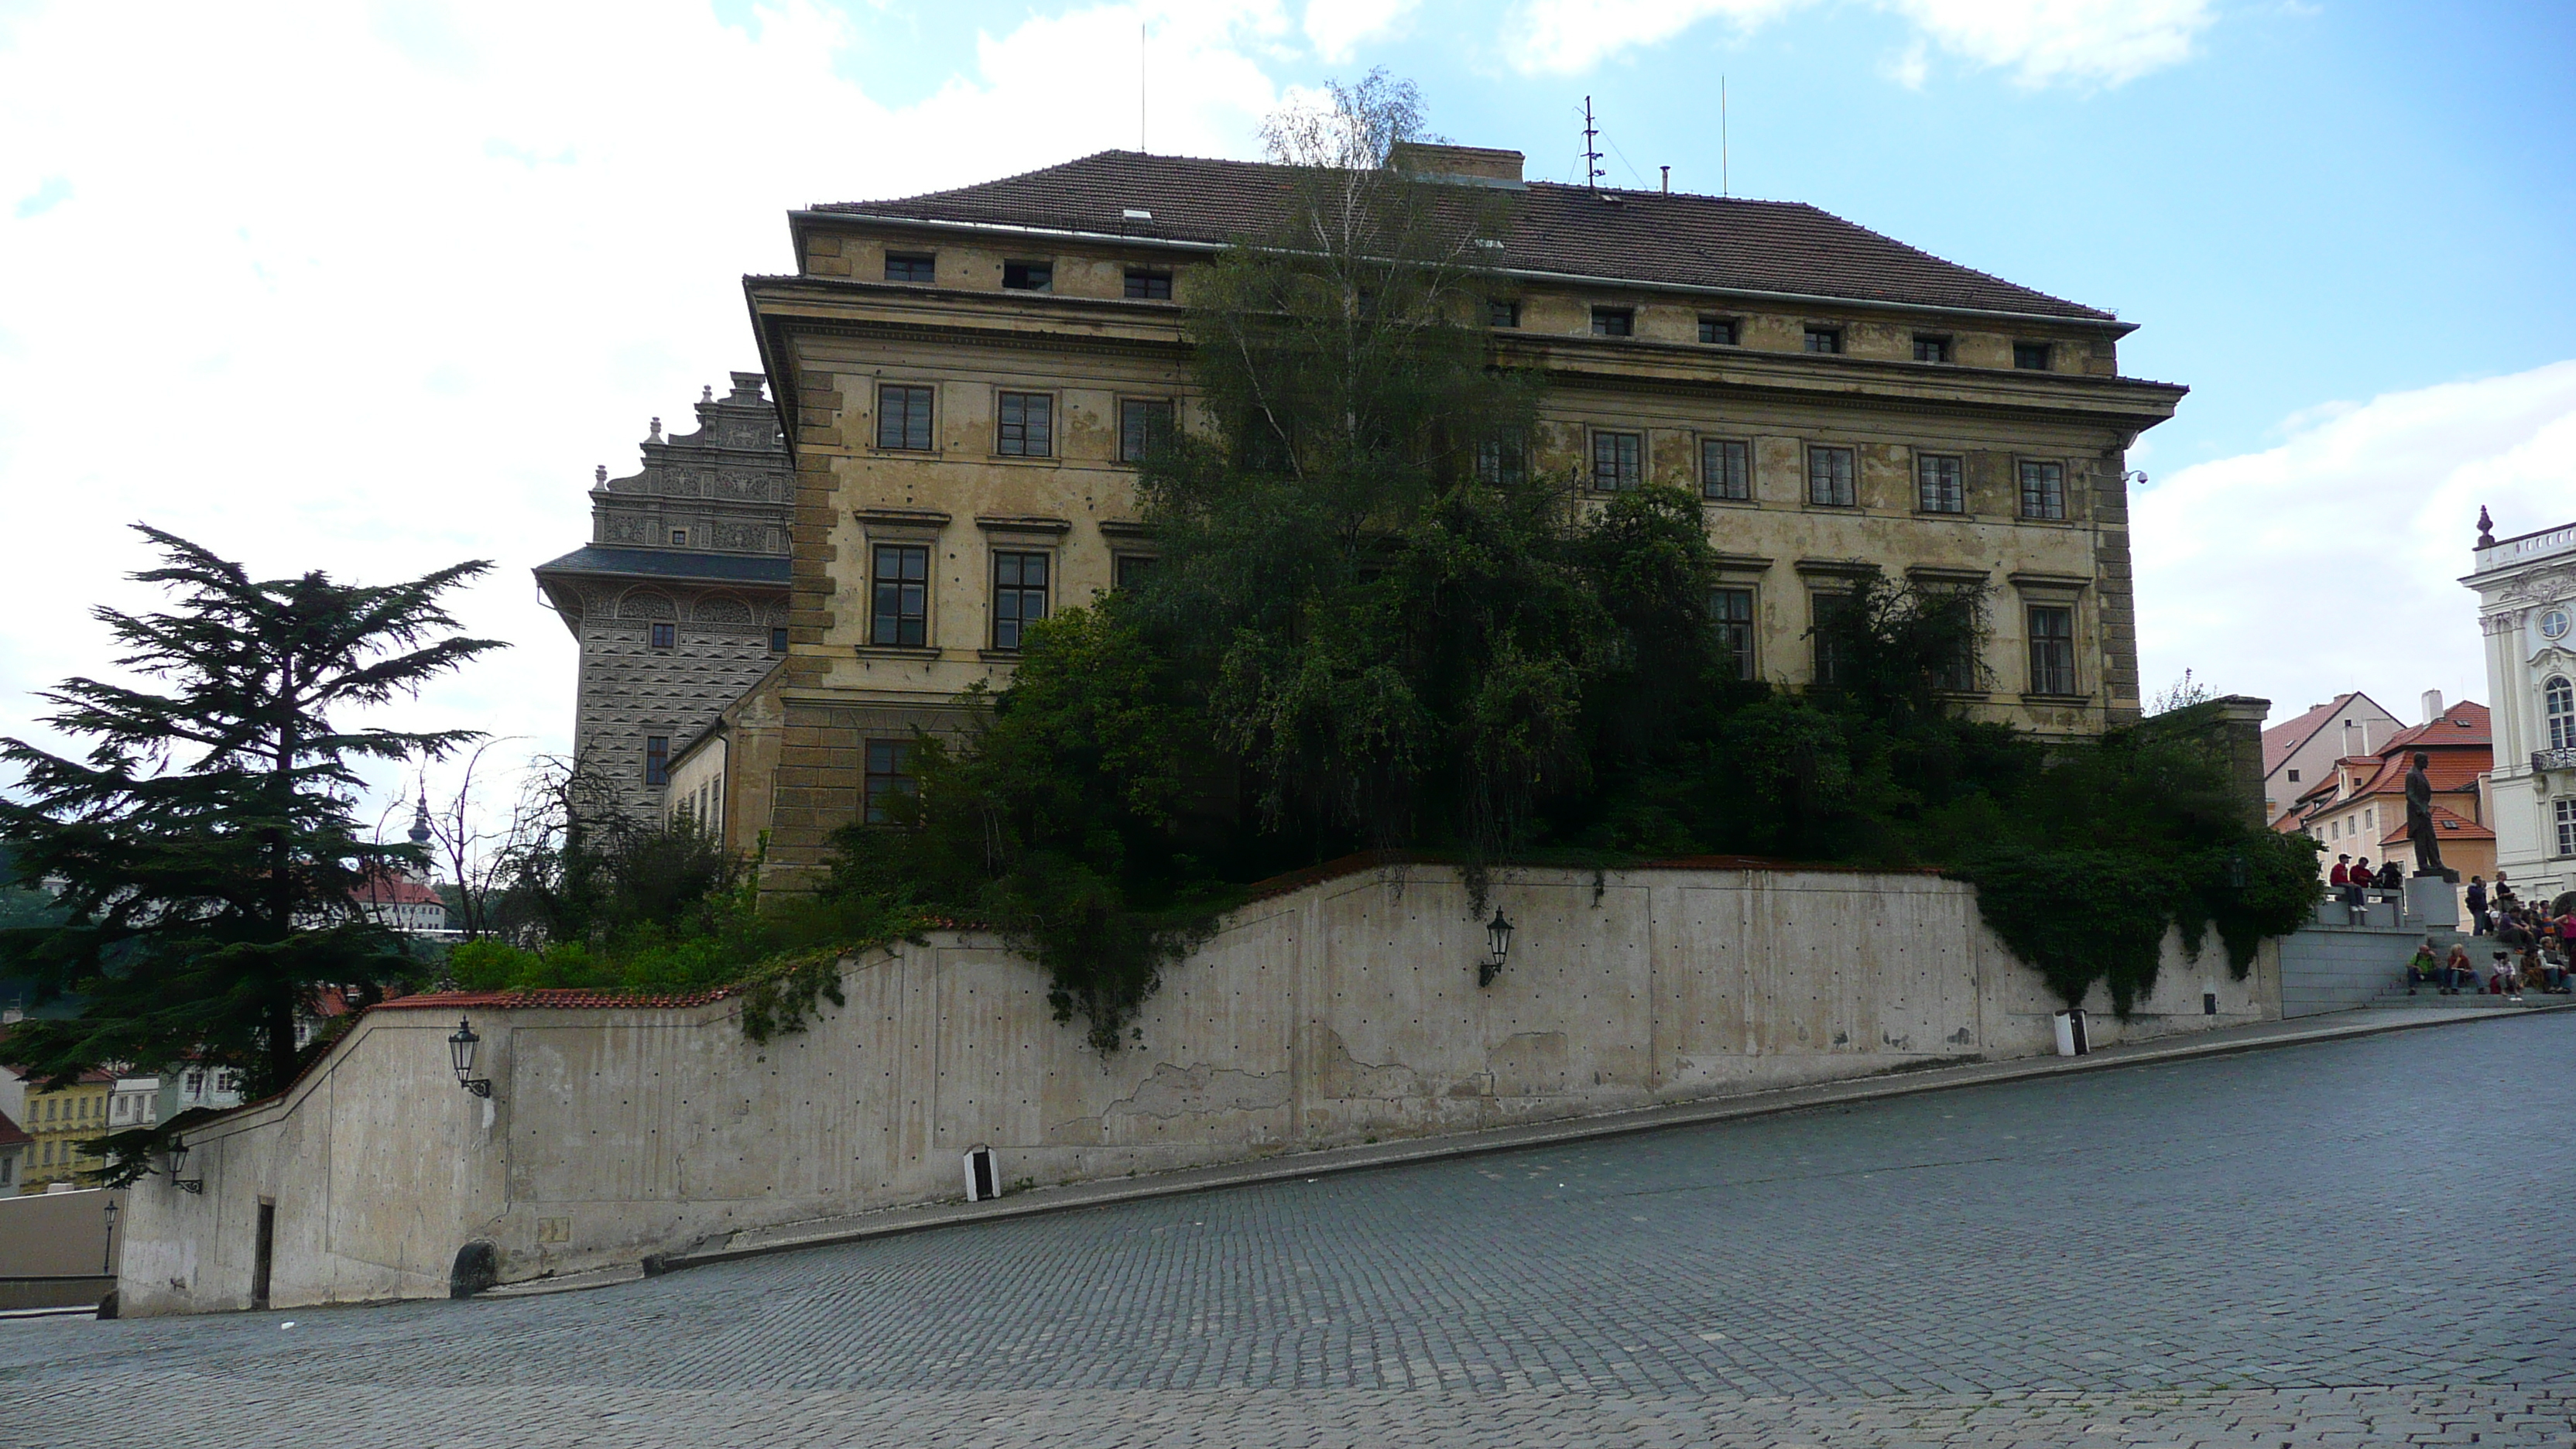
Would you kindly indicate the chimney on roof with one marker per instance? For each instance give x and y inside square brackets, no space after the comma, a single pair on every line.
[2432,705]
[1460,165]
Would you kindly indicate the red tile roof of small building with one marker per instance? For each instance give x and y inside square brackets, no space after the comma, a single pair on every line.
[2463,725]
[1644,236]
[2284,739]
[11,1134]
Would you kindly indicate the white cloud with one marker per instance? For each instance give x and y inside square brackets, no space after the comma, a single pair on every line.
[371,288]
[2104,42]
[1336,27]
[2043,42]
[2332,561]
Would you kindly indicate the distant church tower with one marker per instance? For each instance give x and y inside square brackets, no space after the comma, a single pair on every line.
[679,600]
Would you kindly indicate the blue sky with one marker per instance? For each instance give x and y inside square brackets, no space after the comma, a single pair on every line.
[373,287]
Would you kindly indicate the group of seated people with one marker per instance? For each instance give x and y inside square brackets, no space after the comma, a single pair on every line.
[2351,877]
[2541,966]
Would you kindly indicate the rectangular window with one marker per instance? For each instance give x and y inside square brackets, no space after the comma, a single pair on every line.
[889,776]
[1825,610]
[1028,276]
[903,417]
[2052,649]
[1830,482]
[2566,810]
[1027,425]
[2294,777]
[1618,461]
[1717,331]
[911,267]
[1144,424]
[1502,463]
[1614,322]
[902,614]
[1731,611]
[1824,339]
[1939,485]
[1726,469]
[1931,349]
[1500,313]
[778,640]
[1148,286]
[2043,490]
[666,636]
[1959,673]
[1019,595]
[679,538]
[657,760]
[1130,570]
[2032,356]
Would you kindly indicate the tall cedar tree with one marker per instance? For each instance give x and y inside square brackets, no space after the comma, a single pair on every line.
[204,850]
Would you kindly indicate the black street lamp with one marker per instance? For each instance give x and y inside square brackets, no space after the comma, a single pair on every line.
[178,1163]
[107,1251]
[1498,946]
[460,1051]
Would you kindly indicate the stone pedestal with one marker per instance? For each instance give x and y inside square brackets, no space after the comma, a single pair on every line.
[2433,903]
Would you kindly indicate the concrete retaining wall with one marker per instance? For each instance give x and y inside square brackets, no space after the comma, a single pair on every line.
[1346,1009]
[2336,968]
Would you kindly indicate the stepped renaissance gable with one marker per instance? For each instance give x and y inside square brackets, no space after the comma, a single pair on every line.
[680,598]
[967,378]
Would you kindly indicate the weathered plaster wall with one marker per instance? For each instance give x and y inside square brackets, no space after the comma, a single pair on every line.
[1342,1010]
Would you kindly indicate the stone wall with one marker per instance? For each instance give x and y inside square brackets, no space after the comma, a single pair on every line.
[1344,1009]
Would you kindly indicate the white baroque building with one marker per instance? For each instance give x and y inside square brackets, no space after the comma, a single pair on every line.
[2526,587]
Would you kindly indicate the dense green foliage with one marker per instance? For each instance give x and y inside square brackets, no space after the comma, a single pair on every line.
[204,861]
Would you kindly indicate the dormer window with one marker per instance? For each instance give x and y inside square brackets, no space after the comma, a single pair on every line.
[1824,339]
[1028,276]
[1144,285]
[1614,321]
[679,538]
[911,267]
[1500,313]
[2031,356]
[1717,331]
[1931,349]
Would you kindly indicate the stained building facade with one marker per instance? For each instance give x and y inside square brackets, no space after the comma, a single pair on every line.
[679,600]
[968,379]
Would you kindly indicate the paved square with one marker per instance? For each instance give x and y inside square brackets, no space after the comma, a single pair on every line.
[2362,1242]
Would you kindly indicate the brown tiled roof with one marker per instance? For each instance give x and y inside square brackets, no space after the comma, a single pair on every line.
[2283,739]
[2452,824]
[1645,236]
[11,1134]
[2464,724]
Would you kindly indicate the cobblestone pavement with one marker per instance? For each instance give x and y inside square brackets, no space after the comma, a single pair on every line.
[2355,1243]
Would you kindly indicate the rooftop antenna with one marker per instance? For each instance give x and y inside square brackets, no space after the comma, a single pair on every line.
[1140,85]
[1725,180]
[1592,172]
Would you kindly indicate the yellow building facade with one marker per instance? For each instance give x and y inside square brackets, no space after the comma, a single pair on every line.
[60,1121]
[967,378]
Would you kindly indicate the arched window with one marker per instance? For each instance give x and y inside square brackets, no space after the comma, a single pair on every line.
[2558,701]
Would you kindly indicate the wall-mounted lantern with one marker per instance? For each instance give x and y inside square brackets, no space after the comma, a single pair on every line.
[1498,948]
[460,1052]
[107,1250]
[179,1164]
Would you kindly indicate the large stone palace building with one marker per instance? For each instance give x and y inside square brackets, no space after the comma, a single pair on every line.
[680,597]
[967,378]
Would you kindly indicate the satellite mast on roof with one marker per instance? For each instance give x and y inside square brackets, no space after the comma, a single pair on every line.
[1592,172]
[1725,181]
